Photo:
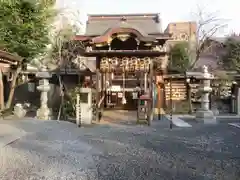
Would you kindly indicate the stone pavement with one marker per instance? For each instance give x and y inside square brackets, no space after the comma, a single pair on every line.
[189,120]
[9,134]
[177,121]
[237,125]
[53,150]
[122,118]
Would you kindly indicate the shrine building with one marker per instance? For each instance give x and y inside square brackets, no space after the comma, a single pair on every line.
[130,51]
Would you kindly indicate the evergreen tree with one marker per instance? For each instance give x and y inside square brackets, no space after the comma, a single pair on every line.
[24,30]
[24,26]
[179,58]
[231,61]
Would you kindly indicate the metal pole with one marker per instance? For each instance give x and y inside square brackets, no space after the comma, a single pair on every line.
[171,103]
[190,97]
[123,88]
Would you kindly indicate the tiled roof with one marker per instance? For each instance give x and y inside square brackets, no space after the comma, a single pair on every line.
[98,24]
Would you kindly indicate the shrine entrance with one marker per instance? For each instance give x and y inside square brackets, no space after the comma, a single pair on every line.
[115,101]
[125,57]
[124,79]
[119,117]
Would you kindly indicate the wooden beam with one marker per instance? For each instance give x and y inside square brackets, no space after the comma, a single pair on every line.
[10,57]
[150,106]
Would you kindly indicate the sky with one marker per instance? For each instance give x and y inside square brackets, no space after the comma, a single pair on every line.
[170,10]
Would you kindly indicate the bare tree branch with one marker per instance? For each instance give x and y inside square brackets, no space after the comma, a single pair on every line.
[64,49]
[208,24]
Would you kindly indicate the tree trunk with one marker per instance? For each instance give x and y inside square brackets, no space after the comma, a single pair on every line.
[62,98]
[195,61]
[12,87]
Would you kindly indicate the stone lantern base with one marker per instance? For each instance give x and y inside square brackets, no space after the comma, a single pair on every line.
[206,116]
[44,114]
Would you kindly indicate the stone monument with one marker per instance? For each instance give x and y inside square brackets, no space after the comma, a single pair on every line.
[85,107]
[44,112]
[19,111]
[204,114]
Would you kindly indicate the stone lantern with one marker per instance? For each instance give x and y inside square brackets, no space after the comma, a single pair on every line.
[204,113]
[44,112]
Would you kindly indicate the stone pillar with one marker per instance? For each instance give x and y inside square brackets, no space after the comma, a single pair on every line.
[78,111]
[238,101]
[204,113]
[85,106]
[44,112]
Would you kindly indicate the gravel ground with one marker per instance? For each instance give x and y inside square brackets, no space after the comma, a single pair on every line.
[52,150]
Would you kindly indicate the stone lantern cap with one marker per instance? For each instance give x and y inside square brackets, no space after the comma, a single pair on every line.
[205,73]
[44,73]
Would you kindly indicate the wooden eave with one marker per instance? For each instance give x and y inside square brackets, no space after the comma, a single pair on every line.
[9,58]
[103,38]
[124,52]
[123,29]
[133,15]
[82,38]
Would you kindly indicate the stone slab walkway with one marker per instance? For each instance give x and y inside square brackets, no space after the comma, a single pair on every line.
[177,121]
[9,134]
[186,120]
[237,125]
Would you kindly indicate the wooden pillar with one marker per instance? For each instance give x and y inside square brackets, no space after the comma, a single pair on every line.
[103,88]
[106,78]
[142,81]
[159,81]
[150,106]
[159,100]
[97,94]
[1,91]
[145,82]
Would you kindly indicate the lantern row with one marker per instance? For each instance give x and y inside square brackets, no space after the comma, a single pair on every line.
[125,64]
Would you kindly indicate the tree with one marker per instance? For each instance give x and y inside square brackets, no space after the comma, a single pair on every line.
[24,29]
[179,57]
[63,49]
[180,62]
[208,24]
[231,60]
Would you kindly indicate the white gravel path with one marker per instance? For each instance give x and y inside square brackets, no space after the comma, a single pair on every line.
[9,134]
[52,150]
